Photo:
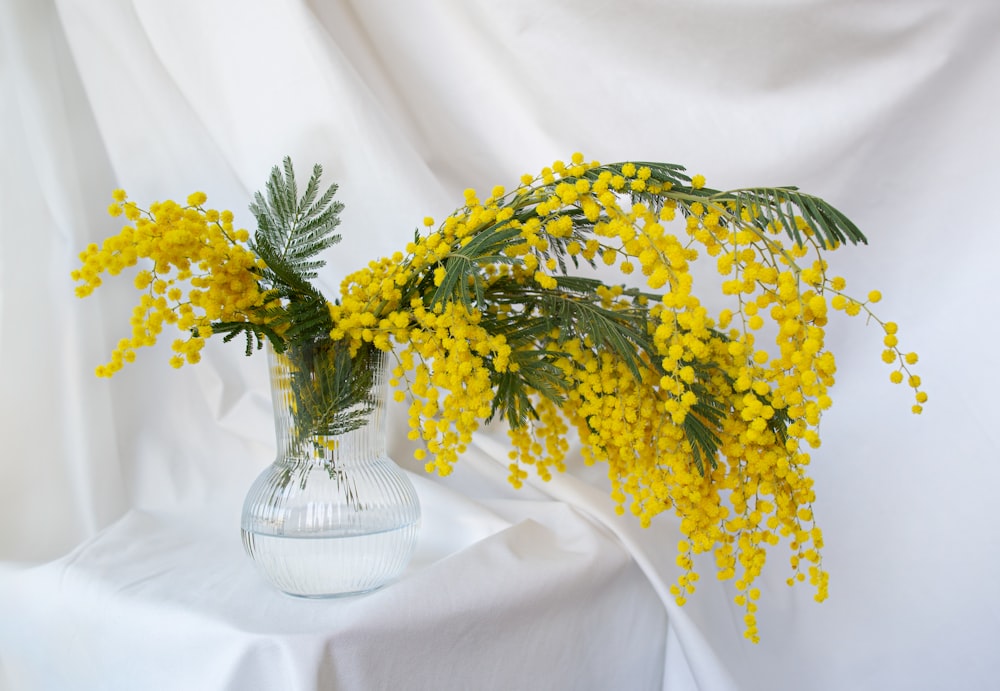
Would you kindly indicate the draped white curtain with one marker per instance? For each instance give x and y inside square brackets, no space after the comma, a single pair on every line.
[887,109]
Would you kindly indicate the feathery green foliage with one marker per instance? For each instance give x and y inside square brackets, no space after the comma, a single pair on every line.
[332,390]
[291,232]
[573,308]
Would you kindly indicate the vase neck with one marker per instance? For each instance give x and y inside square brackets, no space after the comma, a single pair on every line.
[329,409]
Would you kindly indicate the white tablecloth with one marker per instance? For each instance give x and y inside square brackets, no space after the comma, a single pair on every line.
[509,594]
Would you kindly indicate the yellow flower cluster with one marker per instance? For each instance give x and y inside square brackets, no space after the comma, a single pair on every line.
[709,415]
[452,396]
[755,491]
[199,272]
[372,310]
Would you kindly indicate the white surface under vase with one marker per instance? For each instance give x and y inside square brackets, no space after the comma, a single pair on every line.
[333,515]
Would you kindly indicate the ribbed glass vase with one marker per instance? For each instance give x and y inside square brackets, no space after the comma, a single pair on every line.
[333,515]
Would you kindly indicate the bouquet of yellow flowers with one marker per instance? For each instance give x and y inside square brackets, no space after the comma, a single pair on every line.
[497,313]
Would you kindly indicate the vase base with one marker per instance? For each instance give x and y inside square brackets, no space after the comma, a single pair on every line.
[334,596]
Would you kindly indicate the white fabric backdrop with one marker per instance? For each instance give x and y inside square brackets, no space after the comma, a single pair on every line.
[888,109]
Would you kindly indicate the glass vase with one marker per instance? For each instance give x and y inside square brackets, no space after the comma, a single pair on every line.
[333,515]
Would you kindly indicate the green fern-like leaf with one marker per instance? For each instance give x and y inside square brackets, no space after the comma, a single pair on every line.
[332,389]
[767,205]
[465,266]
[536,372]
[292,231]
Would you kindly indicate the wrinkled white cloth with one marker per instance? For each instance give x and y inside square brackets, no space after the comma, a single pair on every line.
[494,599]
[886,109]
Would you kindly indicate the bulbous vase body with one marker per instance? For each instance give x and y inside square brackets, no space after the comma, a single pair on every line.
[333,515]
